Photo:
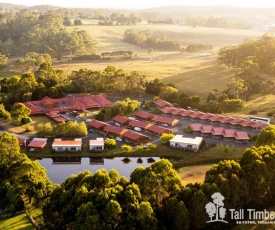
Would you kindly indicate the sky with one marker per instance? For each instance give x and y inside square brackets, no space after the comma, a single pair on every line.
[142,4]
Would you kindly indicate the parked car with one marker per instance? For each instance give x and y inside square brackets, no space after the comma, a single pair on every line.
[131,118]
[137,129]
[88,120]
[165,125]
[91,131]
[118,139]
[117,124]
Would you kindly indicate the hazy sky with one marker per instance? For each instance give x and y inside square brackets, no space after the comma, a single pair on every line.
[141,4]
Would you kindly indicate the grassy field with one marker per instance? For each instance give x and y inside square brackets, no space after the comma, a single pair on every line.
[7,74]
[19,222]
[22,129]
[193,174]
[191,73]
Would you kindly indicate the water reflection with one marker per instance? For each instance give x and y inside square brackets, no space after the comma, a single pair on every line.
[66,160]
[60,168]
[150,160]
[126,160]
[96,161]
[139,161]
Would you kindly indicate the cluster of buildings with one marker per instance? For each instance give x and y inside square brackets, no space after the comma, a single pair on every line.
[110,130]
[62,145]
[214,118]
[219,132]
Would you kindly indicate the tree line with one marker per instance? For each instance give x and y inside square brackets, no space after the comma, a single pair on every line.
[255,61]
[217,22]
[24,32]
[149,39]
[27,176]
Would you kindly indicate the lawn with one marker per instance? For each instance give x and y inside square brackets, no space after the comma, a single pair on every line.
[19,222]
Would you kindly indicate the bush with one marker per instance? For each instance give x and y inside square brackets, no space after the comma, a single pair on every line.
[99,116]
[253,112]
[152,147]
[28,128]
[26,120]
[188,129]
[127,148]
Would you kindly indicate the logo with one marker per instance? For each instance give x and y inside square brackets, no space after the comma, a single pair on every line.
[215,209]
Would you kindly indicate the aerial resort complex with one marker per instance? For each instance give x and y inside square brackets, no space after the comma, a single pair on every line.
[137,115]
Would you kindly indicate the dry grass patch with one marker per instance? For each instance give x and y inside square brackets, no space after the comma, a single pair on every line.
[22,129]
[193,174]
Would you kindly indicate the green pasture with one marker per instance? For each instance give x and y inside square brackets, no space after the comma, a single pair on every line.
[19,222]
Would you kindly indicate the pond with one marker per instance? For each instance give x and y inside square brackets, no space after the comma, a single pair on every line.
[60,168]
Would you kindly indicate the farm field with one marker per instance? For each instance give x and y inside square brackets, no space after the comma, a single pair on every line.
[191,73]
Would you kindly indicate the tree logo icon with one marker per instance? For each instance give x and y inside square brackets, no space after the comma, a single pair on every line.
[216,209]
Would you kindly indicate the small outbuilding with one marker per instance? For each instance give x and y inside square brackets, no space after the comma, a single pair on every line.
[96,145]
[37,144]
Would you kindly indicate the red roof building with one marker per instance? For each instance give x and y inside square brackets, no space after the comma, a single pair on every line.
[143,115]
[177,112]
[206,116]
[206,129]
[259,125]
[121,120]
[55,116]
[37,144]
[168,110]
[134,136]
[195,127]
[226,120]
[217,132]
[165,120]
[98,125]
[162,103]
[236,122]
[247,124]
[48,104]
[186,113]
[196,115]
[141,124]
[229,134]
[215,118]
[241,136]
[118,131]
[158,130]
